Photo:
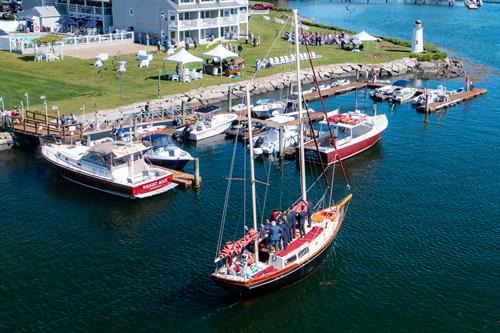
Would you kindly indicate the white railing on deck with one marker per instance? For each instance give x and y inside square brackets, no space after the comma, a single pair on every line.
[27,47]
[209,22]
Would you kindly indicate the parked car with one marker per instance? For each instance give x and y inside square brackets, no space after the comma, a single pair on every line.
[261,6]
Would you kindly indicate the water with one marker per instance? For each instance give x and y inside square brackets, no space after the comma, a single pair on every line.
[418,251]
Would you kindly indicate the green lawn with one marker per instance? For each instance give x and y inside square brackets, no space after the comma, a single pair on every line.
[73,82]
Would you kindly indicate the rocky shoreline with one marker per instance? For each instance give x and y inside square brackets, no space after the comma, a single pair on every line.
[406,66]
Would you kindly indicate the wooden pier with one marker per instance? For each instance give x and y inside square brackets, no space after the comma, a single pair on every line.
[335,91]
[185,180]
[453,100]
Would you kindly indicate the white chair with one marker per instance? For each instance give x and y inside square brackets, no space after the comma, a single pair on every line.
[277,61]
[98,62]
[292,58]
[186,78]
[287,59]
[175,77]
[271,61]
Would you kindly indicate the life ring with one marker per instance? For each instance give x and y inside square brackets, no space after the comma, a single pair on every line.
[36,28]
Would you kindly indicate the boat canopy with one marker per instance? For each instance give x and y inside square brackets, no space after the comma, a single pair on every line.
[118,149]
[207,109]
[157,140]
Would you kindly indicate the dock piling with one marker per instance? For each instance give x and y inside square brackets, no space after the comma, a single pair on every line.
[183,110]
[196,172]
[229,99]
[281,142]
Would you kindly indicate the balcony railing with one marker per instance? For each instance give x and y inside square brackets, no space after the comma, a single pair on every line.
[80,10]
[208,22]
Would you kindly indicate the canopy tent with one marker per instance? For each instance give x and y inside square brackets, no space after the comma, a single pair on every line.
[183,57]
[363,36]
[220,52]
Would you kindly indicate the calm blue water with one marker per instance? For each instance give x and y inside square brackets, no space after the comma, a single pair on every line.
[418,252]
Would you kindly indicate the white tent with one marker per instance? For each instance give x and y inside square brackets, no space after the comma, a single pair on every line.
[183,57]
[363,36]
[221,53]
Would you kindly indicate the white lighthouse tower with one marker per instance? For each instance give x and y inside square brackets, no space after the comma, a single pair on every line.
[417,41]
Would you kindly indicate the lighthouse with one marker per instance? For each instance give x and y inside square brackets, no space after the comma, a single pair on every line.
[417,41]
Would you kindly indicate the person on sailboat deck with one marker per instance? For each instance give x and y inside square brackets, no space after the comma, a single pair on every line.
[302,220]
[284,233]
[309,213]
[291,220]
[274,214]
[274,237]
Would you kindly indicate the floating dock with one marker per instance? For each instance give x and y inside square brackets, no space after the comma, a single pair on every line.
[335,91]
[453,100]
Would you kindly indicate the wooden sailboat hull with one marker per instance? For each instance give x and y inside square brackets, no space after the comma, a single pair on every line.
[293,274]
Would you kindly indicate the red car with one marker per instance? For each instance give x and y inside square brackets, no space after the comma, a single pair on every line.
[261,6]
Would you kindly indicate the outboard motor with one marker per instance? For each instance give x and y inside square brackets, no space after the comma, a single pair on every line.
[258,142]
[185,133]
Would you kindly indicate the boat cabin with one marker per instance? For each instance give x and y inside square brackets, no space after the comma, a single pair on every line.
[122,160]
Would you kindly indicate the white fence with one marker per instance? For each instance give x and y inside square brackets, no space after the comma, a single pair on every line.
[25,45]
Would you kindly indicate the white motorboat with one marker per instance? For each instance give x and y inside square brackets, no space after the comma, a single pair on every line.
[164,152]
[471,4]
[114,167]
[381,92]
[403,95]
[268,109]
[268,143]
[339,83]
[239,108]
[208,123]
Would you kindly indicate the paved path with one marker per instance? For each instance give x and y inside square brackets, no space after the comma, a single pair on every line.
[111,49]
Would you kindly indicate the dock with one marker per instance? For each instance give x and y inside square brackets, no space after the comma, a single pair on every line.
[453,100]
[339,90]
[184,180]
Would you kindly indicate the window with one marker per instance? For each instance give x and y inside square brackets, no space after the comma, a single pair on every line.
[131,11]
[291,259]
[303,252]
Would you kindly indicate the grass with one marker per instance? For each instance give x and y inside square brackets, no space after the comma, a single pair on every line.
[74,82]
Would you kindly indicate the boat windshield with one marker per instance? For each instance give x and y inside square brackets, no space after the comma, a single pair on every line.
[158,141]
[97,159]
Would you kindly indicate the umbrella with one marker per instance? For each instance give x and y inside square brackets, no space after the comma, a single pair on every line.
[183,57]
[363,36]
[221,53]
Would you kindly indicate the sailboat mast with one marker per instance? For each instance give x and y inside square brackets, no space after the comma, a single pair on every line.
[252,172]
[302,161]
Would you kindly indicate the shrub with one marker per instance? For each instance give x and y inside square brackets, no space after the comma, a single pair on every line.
[49,39]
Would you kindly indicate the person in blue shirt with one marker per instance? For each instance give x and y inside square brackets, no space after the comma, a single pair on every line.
[284,233]
[273,237]
[291,219]
[309,213]
[302,221]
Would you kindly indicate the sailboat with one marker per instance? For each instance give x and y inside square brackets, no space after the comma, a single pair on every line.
[250,265]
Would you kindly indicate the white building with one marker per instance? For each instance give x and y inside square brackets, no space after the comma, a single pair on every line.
[44,17]
[99,11]
[200,20]
[179,20]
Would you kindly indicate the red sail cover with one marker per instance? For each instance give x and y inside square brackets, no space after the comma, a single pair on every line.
[298,207]
[231,248]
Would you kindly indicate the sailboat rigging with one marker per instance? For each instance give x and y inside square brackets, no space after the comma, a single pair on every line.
[257,262]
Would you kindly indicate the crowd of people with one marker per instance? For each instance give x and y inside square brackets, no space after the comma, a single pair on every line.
[318,38]
[281,227]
